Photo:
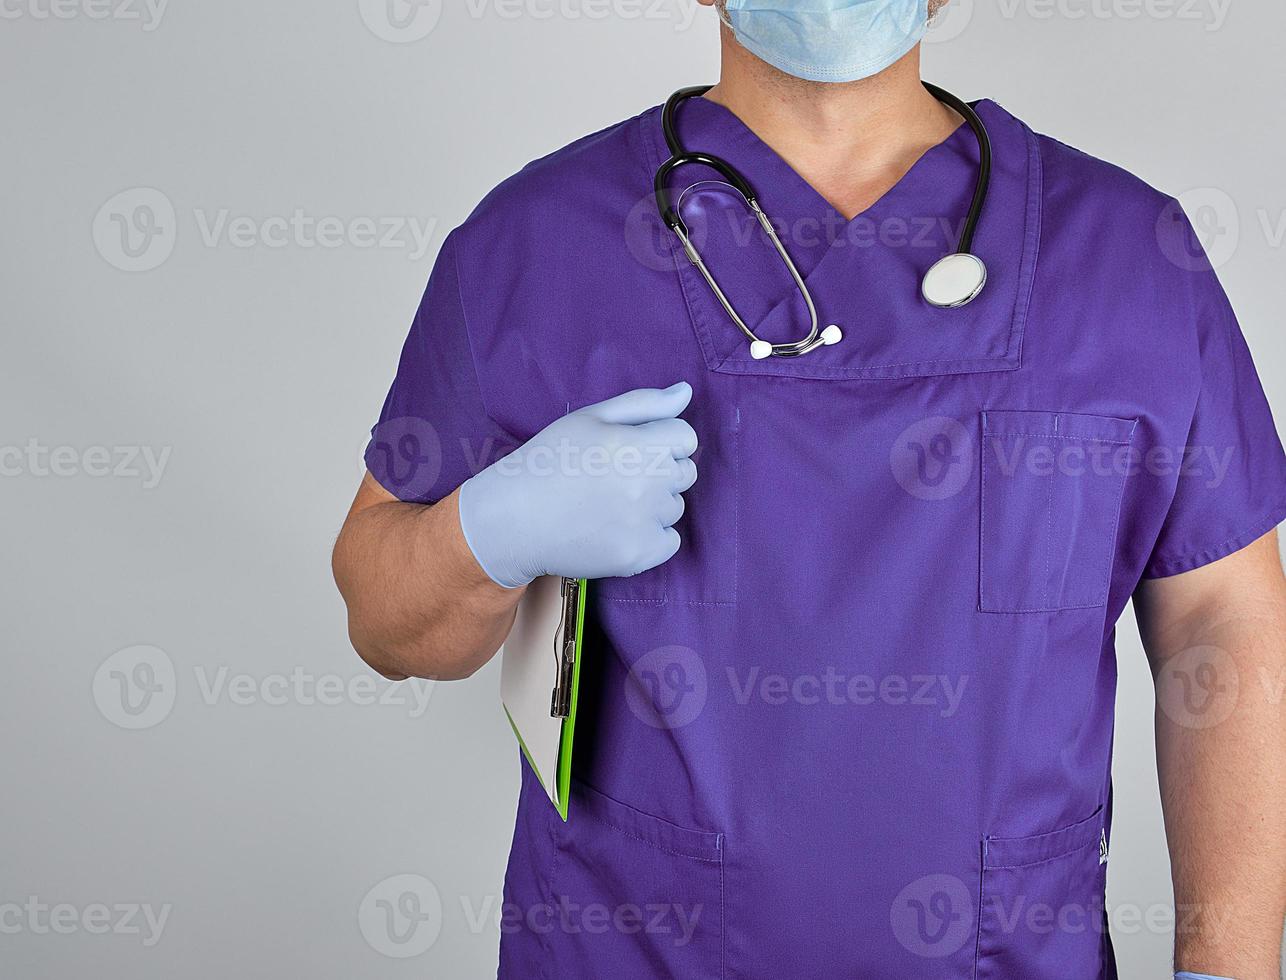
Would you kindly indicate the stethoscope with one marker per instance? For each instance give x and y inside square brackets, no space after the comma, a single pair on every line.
[953,281]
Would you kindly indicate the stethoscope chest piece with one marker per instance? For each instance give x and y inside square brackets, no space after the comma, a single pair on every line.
[954,281]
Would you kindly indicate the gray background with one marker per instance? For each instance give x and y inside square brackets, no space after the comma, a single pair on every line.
[260,815]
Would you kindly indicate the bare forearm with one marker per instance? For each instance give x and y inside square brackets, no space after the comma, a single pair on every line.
[418,603]
[1219,664]
[1222,792]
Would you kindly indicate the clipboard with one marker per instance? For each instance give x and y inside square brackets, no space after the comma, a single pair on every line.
[540,679]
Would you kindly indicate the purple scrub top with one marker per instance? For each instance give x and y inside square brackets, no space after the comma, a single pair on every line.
[861,724]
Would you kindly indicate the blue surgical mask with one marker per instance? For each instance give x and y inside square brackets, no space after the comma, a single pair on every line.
[828,40]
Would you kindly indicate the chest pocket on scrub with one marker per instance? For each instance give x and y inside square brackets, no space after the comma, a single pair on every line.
[1052,484]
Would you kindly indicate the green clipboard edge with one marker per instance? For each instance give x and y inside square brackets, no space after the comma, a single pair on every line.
[564,773]
[569,723]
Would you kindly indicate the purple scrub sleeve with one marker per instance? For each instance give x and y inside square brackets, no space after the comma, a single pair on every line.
[861,724]
[1232,477]
[434,431]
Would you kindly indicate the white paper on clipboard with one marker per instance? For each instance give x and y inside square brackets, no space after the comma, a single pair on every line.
[528,675]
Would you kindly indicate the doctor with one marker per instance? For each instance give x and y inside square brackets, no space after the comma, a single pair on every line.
[849,691]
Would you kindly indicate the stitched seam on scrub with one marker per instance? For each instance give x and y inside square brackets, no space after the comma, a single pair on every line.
[723,918]
[672,602]
[1047,609]
[982,901]
[656,847]
[468,336]
[705,341]
[606,822]
[982,523]
[1100,597]
[1049,538]
[1035,864]
[1258,529]
[1031,243]
[736,499]
[1046,435]
[1094,601]
[553,894]
[875,372]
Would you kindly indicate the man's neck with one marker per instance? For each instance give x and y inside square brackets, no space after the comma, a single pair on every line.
[851,141]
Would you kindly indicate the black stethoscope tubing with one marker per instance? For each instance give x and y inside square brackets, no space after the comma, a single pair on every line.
[680,156]
[975,273]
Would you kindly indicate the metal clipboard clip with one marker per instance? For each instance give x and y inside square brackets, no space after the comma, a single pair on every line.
[565,651]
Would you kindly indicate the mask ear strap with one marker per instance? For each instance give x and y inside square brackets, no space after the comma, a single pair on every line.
[721,7]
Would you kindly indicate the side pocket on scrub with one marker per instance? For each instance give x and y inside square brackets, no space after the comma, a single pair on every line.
[634,891]
[1052,484]
[1042,911]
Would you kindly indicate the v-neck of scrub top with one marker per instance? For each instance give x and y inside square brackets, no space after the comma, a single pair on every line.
[864,273]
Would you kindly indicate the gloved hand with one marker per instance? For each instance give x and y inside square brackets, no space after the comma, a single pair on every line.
[594,495]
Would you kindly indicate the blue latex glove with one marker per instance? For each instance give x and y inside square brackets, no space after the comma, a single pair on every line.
[594,495]
[1196,976]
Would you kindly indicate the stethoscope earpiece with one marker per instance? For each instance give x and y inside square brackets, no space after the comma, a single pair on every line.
[761,350]
[954,281]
